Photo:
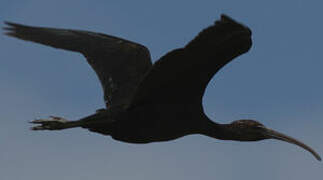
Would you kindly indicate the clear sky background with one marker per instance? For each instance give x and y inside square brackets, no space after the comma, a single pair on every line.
[279,83]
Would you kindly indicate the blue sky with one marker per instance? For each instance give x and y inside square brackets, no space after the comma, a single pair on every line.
[279,83]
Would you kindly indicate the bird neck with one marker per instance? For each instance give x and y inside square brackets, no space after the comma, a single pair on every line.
[216,130]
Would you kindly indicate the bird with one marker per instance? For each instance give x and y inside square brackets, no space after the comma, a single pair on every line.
[146,102]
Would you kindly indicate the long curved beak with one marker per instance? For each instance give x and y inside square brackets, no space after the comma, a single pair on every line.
[280,136]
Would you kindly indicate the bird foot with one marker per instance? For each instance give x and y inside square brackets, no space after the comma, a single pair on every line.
[53,123]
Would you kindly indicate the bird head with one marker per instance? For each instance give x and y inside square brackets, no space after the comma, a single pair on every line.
[250,130]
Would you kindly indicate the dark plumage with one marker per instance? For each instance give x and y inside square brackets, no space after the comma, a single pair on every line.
[148,102]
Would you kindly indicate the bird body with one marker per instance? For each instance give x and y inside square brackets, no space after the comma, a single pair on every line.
[148,102]
[152,123]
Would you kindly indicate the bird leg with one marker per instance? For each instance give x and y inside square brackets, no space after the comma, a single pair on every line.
[54,123]
[59,123]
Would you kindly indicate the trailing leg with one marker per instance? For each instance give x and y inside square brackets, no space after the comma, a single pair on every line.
[54,123]
[57,123]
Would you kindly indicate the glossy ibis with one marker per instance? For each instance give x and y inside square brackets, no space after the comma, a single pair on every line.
[148,102]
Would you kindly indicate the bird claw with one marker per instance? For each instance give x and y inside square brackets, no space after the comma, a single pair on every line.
[53,123]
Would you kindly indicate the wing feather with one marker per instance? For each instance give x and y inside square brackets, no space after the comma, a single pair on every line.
[119,64]
[182,75]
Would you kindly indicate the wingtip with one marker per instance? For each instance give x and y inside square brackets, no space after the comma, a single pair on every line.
[225,17]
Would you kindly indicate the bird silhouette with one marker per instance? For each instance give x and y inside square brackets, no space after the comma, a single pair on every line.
[148,102]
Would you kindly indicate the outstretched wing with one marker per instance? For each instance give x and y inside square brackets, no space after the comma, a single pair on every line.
[119,64]
[182,75]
